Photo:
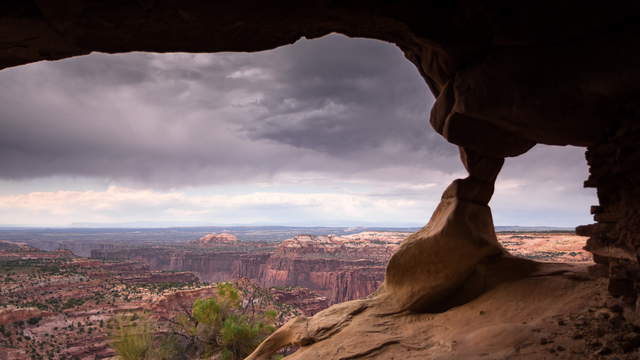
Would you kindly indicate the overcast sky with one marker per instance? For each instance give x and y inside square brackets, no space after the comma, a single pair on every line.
[331,131]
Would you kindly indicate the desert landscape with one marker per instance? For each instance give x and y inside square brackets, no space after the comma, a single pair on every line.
[340,268]
[58,305]
[55,305]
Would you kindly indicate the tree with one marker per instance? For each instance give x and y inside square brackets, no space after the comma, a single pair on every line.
[225,325]
[239,334]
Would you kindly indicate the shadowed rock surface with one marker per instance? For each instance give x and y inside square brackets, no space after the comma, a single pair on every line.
[528,311]
[505,79]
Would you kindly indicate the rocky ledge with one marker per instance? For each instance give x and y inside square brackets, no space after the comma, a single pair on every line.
[528,310]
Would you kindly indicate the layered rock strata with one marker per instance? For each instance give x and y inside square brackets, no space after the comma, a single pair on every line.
[527,310]
[216,240]
[337,268]
[211,266]
[614,166]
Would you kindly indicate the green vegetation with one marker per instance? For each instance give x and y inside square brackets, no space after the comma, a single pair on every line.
[73,302]
[133,340]
[544,255]
[222,325]
[34,320]
[159,288]
[36,266]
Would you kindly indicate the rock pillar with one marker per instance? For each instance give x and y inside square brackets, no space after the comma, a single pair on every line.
[434,262]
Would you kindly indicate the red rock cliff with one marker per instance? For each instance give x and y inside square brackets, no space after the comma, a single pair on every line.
[338,268]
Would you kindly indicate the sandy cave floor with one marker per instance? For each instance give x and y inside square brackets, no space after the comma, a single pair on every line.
[532,311]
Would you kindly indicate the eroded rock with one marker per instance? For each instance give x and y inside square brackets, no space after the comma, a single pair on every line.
[214,240]
[440,266]
[435,261]
[526,308]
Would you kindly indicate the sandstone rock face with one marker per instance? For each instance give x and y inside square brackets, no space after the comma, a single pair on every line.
[337,279]
[216,240]
[367,245]
[525,312]
[615,238]
[210,267]
[11,314]
[436,260]
[306,300]
[548,247]
[338,268]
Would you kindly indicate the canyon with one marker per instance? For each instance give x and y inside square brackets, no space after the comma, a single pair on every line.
[58,293]
[56,305]
[338,268]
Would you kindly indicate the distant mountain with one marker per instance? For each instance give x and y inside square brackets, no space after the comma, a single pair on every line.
[516,228]
[136,225]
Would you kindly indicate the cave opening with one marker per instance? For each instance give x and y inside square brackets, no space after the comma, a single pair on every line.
[335,111]
[504,79]
[551,177]
[324,132]
[332,130]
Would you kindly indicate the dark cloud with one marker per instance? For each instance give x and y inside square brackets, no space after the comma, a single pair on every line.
[333,105]
[335,112]
[350,97]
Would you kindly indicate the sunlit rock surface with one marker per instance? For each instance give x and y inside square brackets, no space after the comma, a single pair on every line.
[211,240]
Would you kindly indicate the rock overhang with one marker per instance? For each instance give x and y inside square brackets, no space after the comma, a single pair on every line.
[505,77]
[540,72]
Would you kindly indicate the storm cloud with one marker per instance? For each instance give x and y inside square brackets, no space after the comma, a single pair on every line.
[326,111]
[182,119]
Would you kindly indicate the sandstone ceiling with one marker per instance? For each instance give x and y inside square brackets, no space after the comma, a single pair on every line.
[547,72]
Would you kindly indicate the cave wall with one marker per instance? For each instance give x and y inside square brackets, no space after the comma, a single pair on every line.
[614,240]
[505,77]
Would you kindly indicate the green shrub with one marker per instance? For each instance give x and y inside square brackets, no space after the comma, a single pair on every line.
[239,336]
[218,325]
[133,342]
